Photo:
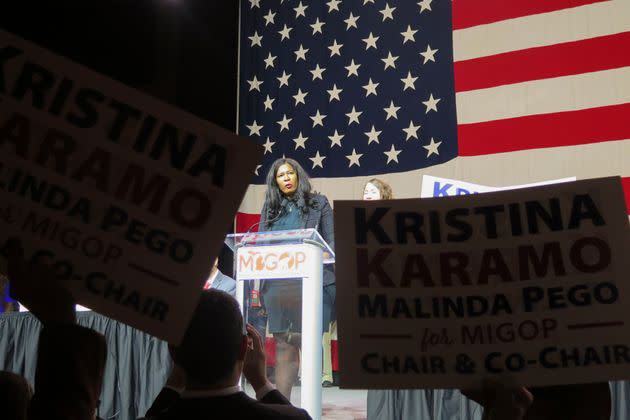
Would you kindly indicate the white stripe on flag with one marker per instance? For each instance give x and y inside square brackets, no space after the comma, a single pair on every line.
[568,93]
[589,21]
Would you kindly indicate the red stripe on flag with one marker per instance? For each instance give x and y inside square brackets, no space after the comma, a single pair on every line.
[245,221]
[625,183]
[467,13]
[585,126]
[595,54]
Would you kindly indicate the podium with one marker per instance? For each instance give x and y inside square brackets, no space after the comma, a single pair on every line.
[291,254]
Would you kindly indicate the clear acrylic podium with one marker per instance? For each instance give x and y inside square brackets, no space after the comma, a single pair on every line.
[291,254]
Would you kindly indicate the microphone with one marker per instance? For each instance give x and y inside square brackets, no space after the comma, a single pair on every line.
[280,213]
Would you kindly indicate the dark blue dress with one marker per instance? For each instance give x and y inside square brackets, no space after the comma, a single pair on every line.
[283,298]
[319,216]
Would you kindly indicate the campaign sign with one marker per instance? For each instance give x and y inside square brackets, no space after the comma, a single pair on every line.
[433,186]
[529,286]
[127,198]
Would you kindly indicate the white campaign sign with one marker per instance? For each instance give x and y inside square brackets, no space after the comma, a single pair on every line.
[126,197]
[433,186]
[529,286]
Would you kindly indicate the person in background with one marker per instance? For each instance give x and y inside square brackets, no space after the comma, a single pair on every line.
[15,396]
[376,189]
[171,391]
[70,358]
[382,404]
[291,203]
[7,304]
[218,280]
[213,356]
[591,401]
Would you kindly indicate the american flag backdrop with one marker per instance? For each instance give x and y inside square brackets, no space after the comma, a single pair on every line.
[495,92]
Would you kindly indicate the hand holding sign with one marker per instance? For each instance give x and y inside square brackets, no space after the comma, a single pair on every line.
[501,402]
[38,287]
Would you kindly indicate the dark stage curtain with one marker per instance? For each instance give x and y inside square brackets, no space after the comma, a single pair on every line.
[137,364]
[449,404]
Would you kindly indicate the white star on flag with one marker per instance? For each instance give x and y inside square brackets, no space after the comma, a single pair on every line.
[412,130]
[256,39]
[353,69]
[373,135]
[284,79]
[370,41]
[300,10]
[354,158]
[317,72]
[392,111]
[409,82]
[269,60]
[284,123]
[254,129]
[429,55]
[392,155]
[431,104]
[353,116]
[268,145]
[351,22]
[301,53]
[432,147]
[285,32]
[425,5]
[390,61]
[317,26]
[269,103]
[388,12]
[254,3]
[254,84]
[318,119]
[335,139]
[370,88]
[269,18]
[299,97]
[334,93]
[300,141]
[318,160]
[335,49]
[408,35]
[333,5]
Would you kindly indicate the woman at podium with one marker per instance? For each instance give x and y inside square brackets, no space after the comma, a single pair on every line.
[290,203]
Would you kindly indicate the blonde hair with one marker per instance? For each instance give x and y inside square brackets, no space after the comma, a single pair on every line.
[383,187]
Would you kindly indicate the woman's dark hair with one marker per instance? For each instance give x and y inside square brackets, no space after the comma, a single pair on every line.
[274,197]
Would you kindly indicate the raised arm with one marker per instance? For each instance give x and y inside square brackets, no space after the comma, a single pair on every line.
[70,358]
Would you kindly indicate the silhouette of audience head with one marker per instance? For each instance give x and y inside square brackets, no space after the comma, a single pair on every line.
[571,402]
[15,394]
[214,343]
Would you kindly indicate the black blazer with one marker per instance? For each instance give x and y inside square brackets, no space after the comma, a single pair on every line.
[320,217]
[234,407]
